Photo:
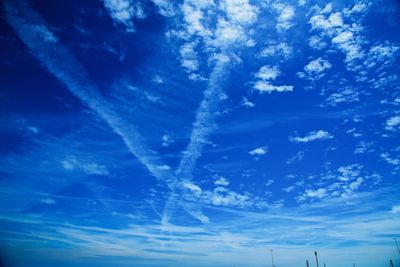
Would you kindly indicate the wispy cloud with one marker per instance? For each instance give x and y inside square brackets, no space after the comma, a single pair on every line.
[124,11]
[312,136]
[90,168]
[60,62]
[203,126]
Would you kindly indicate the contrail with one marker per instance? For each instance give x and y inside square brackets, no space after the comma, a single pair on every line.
[58,60]
[203,126]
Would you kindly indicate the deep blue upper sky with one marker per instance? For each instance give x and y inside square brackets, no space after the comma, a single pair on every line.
[199,132]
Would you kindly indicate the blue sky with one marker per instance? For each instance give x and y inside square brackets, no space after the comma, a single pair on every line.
[199,132]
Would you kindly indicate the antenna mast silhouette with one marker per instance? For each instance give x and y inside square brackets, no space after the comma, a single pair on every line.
[272,257]
[316,258]
[397,245]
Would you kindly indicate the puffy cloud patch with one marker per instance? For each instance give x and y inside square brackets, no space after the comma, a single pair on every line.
[240,11]
[364,147]
[281,50]
[247,103]
[316,42]
[314,70]
[341,184]
[347,95]
[319,193]
[259,151]
[266,74]
[285,17]
[389,159]
[124,11]
[221,181]
[165,7]
[393,123]
[189,59]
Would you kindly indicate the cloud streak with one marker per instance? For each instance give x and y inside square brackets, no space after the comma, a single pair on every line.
[203,126]
[59,61]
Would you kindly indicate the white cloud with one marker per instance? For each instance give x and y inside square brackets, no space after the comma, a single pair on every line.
[60,62]
[222,197]
[319,193]
[286,14]
[269,182]
[163,167]
[240,11]
[340,184]
[312,136]
[384,54]
[192,187]
[395,209]
[347,95]
[356,184]
[124,11]
[316,42]
[44,33]
[320,22]
[259,151]
[33,129]
[354,133]
[222,181]
[157,79]
[90,168]
[342,37]
[228,33]
[166,140]
[364,147]
[316,67]
[389,159]
[297,157]
[267,73]
[357,8]
[302,2]
[194,16]
[165,7]
[246,103]
[349,172]
[289,188]
[393,123]
[189,58]
[264,86]
[281,49]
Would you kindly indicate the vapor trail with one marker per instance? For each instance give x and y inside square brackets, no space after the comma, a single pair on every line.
[58,60]
[208,111]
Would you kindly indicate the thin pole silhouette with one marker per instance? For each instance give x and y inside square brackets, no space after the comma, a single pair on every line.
[272,257]
[308,265]
[316,258]
[324,265]
[397,245]
[391,263]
